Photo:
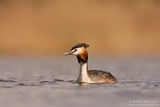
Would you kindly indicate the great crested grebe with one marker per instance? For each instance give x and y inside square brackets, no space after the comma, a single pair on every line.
[91,76]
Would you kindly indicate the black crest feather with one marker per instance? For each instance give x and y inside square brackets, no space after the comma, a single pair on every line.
[80,45]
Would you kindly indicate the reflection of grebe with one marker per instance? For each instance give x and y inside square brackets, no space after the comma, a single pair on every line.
[91,76]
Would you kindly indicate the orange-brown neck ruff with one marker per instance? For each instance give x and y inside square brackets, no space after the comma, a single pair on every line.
[83,57]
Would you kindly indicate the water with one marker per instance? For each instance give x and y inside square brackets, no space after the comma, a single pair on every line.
[49,82]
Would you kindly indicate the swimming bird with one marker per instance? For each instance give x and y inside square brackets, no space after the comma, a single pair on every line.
[85,75]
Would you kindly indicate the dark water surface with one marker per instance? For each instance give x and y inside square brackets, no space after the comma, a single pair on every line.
[49,82]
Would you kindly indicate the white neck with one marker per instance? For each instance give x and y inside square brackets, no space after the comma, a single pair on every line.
[83,74]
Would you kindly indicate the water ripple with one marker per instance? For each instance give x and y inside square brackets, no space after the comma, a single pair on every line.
[7,83]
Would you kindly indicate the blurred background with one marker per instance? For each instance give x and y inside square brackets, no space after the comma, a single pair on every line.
[51,27]
[41,30]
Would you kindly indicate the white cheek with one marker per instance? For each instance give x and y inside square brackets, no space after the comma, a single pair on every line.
[79,50]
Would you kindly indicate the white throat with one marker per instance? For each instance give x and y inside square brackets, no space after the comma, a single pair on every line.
[83,74]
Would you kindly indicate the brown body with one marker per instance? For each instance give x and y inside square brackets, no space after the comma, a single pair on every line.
[99,76]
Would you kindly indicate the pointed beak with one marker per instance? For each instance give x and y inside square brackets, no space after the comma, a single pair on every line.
[68,53]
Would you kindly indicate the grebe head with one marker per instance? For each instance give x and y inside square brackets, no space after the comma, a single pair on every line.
[80,51]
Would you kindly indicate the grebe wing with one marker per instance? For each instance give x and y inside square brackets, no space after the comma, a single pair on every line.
[102,76]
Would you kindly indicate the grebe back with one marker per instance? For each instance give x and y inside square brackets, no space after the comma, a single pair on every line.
[91,76]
